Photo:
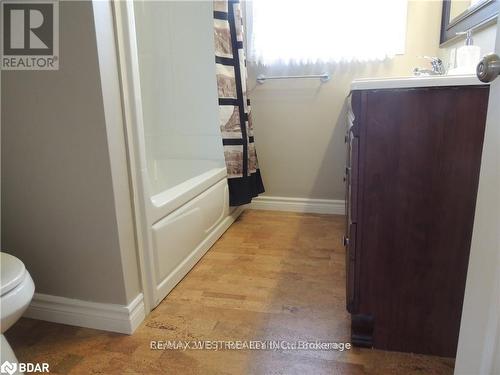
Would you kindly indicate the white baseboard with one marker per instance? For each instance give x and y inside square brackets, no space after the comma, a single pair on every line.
[317,206]
[103,316]
[182,269]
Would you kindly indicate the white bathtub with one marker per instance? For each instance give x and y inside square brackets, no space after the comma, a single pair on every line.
[186,218]
[174,182]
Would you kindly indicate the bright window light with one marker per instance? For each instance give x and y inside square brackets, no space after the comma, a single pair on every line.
[323,31]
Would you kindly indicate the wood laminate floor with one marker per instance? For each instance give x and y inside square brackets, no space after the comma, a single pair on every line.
[271,276]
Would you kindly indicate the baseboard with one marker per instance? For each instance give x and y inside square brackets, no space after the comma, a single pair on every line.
[103,316]
[177,275]
[318,206]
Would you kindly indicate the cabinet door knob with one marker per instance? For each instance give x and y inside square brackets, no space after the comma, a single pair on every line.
[345,241]
[488,68]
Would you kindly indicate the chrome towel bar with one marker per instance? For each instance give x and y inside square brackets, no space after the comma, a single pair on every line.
[325,77]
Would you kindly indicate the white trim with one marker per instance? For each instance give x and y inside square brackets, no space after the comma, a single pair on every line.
[171,281]
[117,146]
[309,205]
[103,316]
[132,114]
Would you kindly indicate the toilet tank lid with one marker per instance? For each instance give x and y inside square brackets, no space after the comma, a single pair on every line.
[12,272]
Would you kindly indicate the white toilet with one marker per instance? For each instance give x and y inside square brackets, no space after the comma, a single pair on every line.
[16,292]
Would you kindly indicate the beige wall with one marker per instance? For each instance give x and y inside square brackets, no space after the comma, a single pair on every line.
[58,200]
[299,124]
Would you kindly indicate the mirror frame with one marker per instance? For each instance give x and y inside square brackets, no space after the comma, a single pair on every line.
[480,15]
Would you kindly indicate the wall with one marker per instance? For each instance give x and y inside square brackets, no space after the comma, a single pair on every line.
[59,212]
[299,124]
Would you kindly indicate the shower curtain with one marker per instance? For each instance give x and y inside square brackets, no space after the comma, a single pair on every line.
[243,172]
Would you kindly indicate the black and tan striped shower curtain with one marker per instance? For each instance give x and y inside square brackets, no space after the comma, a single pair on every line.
[243,171]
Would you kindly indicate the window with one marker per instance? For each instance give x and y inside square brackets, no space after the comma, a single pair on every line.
[323,31]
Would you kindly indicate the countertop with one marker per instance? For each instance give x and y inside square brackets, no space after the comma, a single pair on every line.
[415,82]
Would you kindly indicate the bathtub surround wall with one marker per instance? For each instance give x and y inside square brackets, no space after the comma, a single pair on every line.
[244,179]
[178,90]
[305,169]
[66,209]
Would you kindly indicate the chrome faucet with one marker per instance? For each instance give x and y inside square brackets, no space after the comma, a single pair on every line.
[437,67]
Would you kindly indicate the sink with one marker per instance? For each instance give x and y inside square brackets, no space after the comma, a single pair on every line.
[415,81]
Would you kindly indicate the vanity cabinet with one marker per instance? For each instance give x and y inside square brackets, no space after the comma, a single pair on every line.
[412,171]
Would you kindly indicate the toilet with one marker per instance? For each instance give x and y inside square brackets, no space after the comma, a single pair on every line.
[16,292]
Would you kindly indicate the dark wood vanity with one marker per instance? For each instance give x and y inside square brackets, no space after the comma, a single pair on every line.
[412,174]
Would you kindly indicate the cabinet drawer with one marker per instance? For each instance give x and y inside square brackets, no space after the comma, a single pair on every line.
[350,114]
[352,179]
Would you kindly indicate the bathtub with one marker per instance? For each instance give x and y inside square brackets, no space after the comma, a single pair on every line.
[173,183]
[188,211]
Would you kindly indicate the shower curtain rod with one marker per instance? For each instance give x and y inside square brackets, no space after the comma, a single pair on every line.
[325,77]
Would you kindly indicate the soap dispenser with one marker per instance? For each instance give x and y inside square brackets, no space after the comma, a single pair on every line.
[468,56]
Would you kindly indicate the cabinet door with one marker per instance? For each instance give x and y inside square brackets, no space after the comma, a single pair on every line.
[351,219]
[349,124]
[351,181]
[350,261]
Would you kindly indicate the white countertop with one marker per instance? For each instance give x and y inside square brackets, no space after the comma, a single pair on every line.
[414,81]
